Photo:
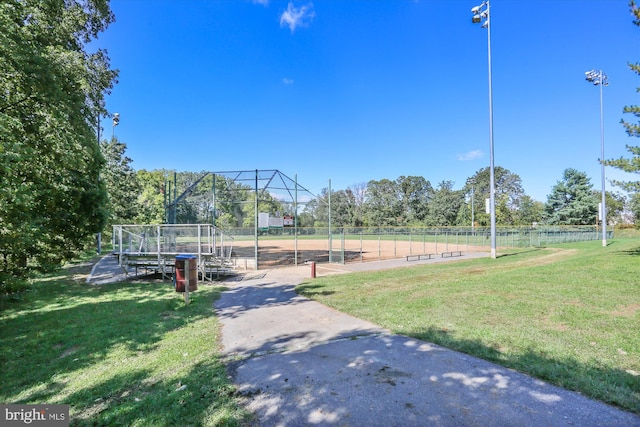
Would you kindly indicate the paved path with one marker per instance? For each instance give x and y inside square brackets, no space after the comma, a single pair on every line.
[297,363]
[107,270]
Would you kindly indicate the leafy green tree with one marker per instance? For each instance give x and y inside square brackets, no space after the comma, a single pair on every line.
[415,194]
[508,195]
[121,182]
[51,95]
[318,209]
[616,204]
[231,196]
[572,201]
[445,205]
[383,205]
[266,203]
[358,193]
[151,199]
[530,211]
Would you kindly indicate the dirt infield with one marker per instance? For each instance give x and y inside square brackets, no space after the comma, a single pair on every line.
[275,252]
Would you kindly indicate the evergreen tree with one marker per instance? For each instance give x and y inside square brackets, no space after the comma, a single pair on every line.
[632,164]
[572,201]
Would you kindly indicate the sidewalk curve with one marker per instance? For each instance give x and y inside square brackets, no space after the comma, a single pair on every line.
[297,362]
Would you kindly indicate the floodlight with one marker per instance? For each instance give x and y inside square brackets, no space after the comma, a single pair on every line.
[482,13]
[598,78]
[591,75]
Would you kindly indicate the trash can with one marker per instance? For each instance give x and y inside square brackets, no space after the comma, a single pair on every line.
[180,275]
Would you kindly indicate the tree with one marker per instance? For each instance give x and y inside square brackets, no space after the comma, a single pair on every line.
[415,194]
[383,206]
[343,212]
[572,201]
[231,197]
[531,211]
[151,199]
[51,95]
[318,209]
[121,182]
[508,195]
[616,203]
[358,193]
[631,165]
[634,207]
[445,205]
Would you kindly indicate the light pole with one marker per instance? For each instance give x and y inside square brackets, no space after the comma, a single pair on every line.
[99,235]
[473,221]
[599,78]
[481,15]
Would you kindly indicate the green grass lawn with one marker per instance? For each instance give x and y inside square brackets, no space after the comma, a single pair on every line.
[568,314]
[133,354]
[127,354]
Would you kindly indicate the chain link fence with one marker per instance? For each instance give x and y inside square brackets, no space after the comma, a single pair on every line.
[283,246]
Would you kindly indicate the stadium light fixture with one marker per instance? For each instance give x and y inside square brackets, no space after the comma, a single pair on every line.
[598,78]
[482,15]
[116,122]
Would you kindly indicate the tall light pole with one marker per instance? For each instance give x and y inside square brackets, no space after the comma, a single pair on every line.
[99,235]
[599,78]
[482,15]
[473,220]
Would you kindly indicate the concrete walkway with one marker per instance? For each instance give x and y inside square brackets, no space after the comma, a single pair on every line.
[106,270]
[298,363]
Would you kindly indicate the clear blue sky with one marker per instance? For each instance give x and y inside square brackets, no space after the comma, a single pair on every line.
[358,90]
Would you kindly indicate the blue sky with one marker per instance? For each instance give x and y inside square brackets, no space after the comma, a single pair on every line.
[358,90]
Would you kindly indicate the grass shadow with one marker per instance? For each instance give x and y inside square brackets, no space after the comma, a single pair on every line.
[564,372]
[115,335]
[202,393]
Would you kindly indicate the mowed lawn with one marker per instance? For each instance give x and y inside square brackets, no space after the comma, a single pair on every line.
[128,354]
[133,354]
[568,314]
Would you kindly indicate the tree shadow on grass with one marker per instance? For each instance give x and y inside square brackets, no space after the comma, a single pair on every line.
[613,386]
[190,399]
[64,327]
[311,290]
[629,252]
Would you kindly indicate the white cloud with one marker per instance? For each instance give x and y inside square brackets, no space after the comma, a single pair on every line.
[470,155]
[287,81]
[295,17]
